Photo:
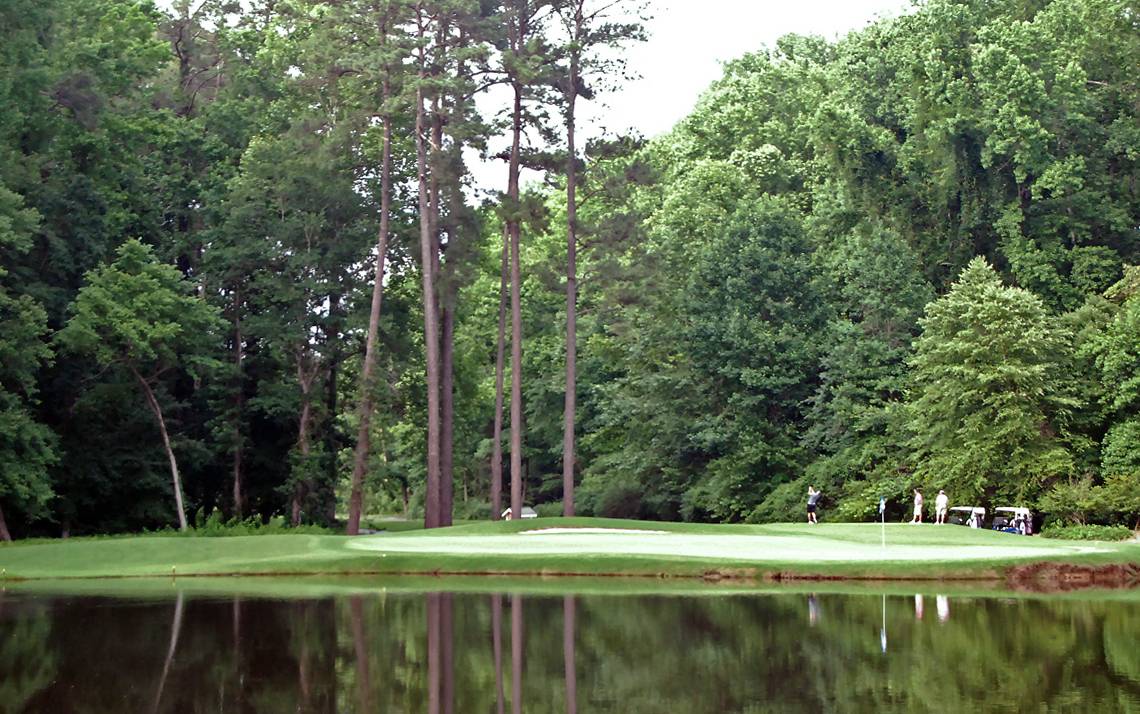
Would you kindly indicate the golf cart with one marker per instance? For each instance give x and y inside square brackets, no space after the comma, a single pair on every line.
[967,516]
[1009,519]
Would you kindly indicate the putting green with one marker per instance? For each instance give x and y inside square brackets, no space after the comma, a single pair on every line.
[760,549]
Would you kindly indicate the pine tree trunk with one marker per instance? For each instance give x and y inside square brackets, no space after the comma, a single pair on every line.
[431,319]
[570,405]
[239,498]
[444,296]
[304,439]
[497,429]
[516,312]
[152,402]
[326,491]
[304,445]
[239,408]
[4,534]
[367,374]
[447,411]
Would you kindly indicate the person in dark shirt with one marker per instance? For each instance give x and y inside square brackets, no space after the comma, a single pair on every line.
[812,503]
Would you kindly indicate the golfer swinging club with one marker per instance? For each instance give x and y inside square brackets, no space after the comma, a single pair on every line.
[812,503]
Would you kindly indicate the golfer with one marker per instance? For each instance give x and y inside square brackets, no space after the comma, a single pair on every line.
[941,505]
[917,507]
[812,503]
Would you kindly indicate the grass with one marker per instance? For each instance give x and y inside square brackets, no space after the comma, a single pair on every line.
[828,550]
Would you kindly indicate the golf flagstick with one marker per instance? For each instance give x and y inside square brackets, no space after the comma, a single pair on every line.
[883,518]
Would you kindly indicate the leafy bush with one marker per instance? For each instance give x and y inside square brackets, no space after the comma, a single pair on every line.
[213,526]
[549,510]
[390,525]
[471,510]
[1083,532]
[786,503]
[614,497]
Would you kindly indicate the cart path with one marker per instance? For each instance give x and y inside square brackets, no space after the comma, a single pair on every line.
[757,548]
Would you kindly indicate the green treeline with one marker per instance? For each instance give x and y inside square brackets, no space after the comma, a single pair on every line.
[902,259]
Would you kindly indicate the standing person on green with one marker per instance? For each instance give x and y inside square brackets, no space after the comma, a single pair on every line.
[941,505]
[917,507]
[812,503]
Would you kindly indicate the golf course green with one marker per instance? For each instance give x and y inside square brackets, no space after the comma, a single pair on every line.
[574,546]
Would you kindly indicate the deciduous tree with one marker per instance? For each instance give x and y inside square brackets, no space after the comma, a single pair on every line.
[140,315]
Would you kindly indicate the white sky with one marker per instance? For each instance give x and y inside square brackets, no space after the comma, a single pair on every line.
[688,42]
[689,39]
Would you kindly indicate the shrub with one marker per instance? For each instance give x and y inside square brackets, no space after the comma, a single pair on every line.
[786,503]
[1082,532]
[213,526]
[549,510]
[471,510]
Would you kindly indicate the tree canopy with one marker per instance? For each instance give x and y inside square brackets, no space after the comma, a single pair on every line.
[901,258]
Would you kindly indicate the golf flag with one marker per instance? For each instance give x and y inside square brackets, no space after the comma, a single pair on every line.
[883,518]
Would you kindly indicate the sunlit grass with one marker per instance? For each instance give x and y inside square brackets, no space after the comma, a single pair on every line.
[851,550]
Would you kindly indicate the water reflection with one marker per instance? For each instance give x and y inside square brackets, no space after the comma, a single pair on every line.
[175,631]
[443,653]
[568,636]
[943,604]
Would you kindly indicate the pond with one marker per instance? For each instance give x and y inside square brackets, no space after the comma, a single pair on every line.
[371,648]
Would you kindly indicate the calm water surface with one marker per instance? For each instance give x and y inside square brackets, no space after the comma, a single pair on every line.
[440,652]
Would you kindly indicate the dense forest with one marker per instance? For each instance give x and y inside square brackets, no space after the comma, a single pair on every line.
[245,267]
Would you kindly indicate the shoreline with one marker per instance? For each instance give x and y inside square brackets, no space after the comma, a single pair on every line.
[1040,576]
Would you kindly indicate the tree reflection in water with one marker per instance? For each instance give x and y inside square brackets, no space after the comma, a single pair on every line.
[383,652]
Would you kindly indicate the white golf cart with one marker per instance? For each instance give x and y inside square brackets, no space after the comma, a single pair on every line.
[1011,519]
[971,516]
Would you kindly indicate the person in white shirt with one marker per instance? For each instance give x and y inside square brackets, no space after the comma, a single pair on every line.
[941,506]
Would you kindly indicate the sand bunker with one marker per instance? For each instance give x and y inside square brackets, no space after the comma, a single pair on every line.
[617,531]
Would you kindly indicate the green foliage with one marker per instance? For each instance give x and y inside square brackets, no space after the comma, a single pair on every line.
[27,450]
[139,313]
[857,423]
[1119,496]
[27,447]
[1087,532]
[215,525]
[989,401]
[1080,500]
[1073,501]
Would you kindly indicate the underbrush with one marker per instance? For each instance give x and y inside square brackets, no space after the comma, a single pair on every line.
[1088,532]
[214,526]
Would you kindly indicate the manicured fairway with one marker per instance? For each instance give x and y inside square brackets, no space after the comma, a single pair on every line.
[609,547]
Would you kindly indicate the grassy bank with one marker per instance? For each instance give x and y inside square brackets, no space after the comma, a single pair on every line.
[665,549]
